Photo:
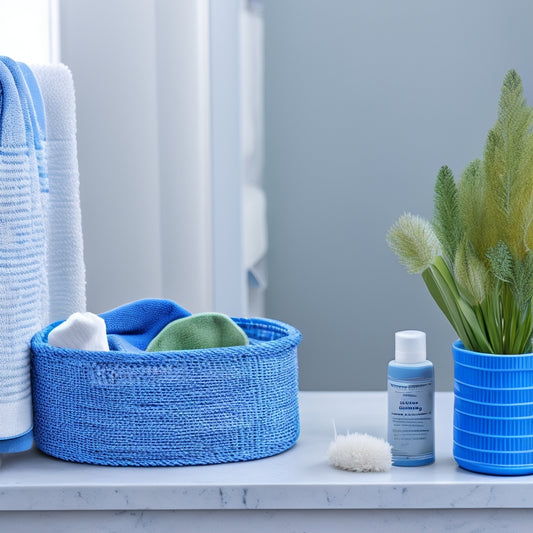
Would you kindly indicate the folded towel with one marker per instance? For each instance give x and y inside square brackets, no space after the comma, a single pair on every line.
[22,257]
[204,330]
[137,323]
[38,167]
[66,267]
[33,107]
[80,331]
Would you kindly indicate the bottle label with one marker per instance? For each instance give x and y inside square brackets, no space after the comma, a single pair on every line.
[411,428]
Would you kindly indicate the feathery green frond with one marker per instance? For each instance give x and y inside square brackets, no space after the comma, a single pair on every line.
[522,283]
[514,115]
[501,262]
[470,274]
[446,222]
[508,164]
[476,258]
[471,197]
[412,238]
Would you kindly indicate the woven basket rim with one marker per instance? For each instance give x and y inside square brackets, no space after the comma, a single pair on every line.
[289,337]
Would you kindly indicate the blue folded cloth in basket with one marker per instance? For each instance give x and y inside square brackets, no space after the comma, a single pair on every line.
[183,407]
[134,325]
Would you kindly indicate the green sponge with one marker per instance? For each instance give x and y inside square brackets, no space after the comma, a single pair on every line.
[204,330]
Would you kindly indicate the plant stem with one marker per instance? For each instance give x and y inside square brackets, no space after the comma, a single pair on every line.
[462,317]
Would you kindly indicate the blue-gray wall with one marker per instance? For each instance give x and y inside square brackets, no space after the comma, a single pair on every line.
[365,100]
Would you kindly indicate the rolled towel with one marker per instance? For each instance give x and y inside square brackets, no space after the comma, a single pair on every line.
[80,331]
[204,330]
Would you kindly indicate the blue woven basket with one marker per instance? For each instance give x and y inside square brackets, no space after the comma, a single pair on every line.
[169,408]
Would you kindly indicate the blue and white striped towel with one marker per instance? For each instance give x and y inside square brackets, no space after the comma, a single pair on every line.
[38,166]
[22,255]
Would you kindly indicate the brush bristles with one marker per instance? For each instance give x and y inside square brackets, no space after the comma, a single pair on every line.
[359,452]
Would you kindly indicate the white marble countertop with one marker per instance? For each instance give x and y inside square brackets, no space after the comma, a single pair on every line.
[300,478]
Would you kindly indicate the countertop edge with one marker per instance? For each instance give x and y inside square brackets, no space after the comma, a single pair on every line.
[261,497]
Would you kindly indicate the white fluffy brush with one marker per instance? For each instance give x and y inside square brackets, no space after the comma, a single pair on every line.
[359,452]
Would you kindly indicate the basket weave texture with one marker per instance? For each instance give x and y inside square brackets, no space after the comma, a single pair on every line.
[186,407]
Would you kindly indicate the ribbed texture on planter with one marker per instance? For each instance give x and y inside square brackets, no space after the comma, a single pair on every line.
[493,412]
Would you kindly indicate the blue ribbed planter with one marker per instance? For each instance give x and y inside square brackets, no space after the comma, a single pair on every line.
[493,412]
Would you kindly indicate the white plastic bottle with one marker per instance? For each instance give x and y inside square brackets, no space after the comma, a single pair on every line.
[411,401]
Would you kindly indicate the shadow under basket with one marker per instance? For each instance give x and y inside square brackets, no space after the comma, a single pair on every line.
[187,407]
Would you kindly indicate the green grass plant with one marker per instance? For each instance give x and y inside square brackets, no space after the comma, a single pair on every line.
[475,256]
